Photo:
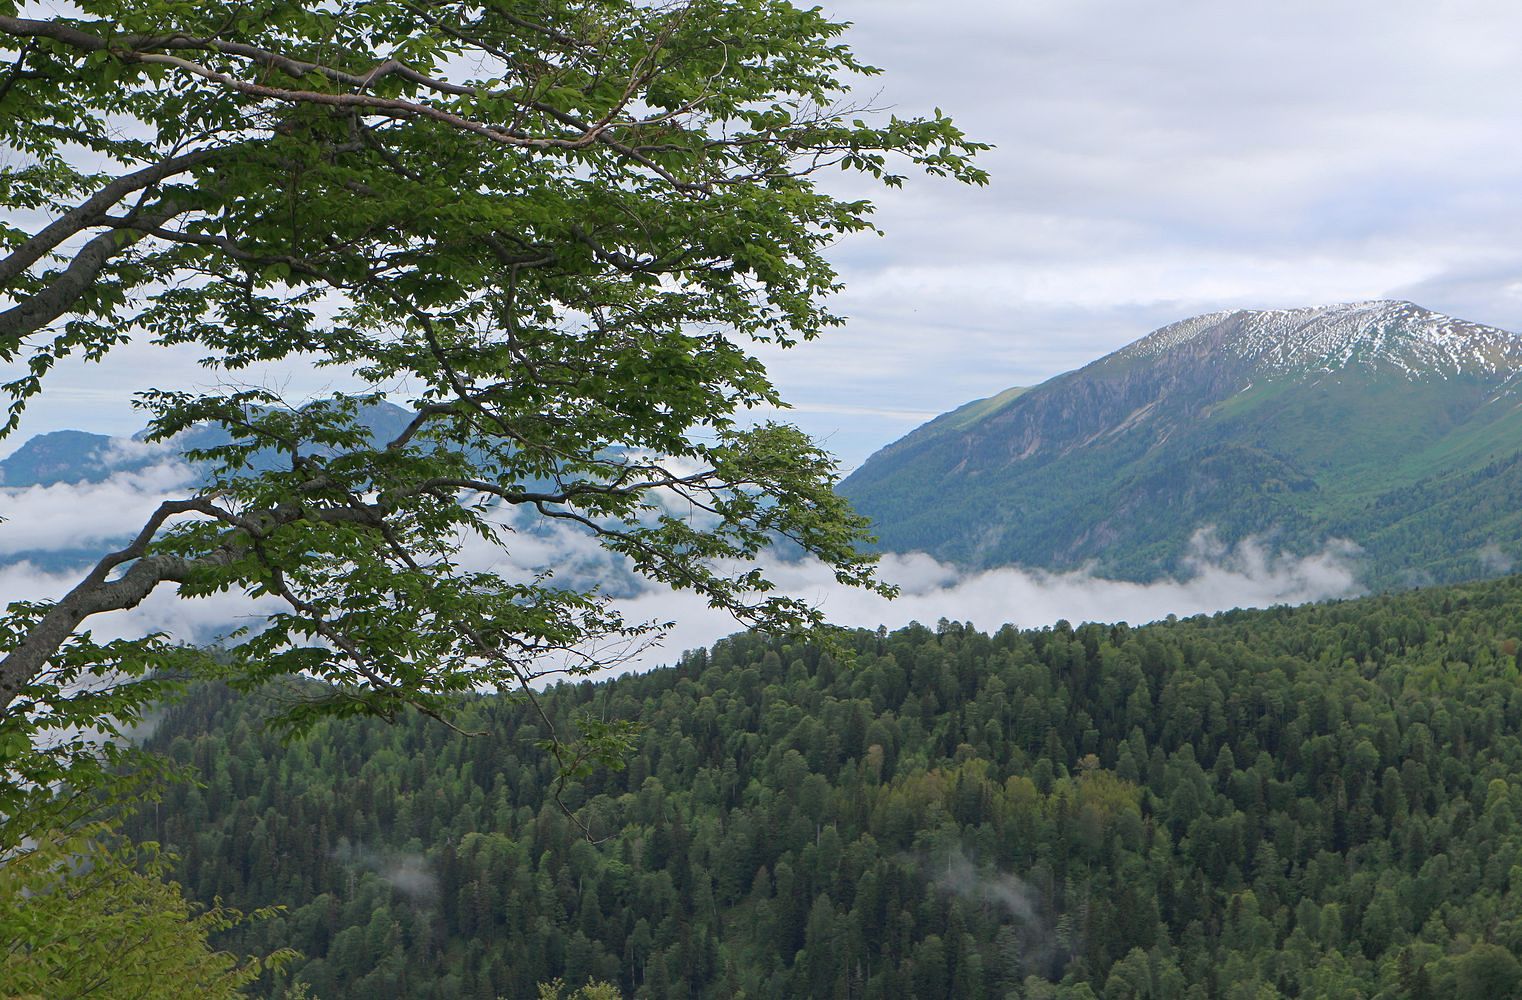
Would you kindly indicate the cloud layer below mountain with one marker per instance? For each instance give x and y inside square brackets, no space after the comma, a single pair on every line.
[1249,575]
[72,516]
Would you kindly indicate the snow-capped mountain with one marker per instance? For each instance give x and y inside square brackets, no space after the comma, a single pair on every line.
[1382,422]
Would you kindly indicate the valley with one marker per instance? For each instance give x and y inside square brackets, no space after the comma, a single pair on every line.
[1318,801]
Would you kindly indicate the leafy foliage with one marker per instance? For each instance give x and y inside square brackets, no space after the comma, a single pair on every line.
[64,743]
[1312,802]
[592,991]
[83,915]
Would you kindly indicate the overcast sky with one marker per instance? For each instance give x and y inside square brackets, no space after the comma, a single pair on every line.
[1155,160]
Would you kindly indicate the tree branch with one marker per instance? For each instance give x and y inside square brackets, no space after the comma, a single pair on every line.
[294,68]
[90,212]
[69,286]
[95,594]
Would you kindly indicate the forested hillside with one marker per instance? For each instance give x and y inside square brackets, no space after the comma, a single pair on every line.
[1313,802]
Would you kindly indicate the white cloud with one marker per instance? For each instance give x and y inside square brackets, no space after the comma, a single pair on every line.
[120,451]
[1494,559]
[1248,575]
[63,515]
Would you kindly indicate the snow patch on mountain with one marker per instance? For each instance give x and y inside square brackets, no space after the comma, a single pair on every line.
[1416,342]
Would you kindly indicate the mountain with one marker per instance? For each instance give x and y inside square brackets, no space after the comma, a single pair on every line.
[59,457]
[1379,422]
[81,457]
[73,457]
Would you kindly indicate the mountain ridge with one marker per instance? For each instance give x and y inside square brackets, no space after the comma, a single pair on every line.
[1284,340]
[72,456]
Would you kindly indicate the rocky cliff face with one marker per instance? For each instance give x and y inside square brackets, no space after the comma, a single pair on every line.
[1292,423]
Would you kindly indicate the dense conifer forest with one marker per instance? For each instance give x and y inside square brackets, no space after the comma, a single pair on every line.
[1322,801]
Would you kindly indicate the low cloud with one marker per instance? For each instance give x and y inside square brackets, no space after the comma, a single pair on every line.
[1040,945]
[1005,892]
[78,515]
[1216,577]
[410,874]
[1247,575]
[1494,560]
[120,451]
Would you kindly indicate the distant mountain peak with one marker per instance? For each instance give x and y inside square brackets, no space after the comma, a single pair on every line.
[1385,333]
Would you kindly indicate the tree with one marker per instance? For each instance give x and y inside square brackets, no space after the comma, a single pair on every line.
[560,224]
[592,991]
[82,914]
[1488,970]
